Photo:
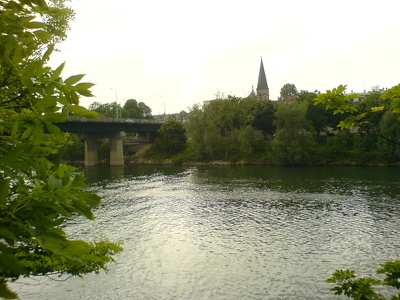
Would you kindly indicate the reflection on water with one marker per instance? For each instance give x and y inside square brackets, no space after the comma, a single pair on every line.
[233,232]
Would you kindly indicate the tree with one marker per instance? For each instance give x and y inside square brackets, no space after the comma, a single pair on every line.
[293,141]
[108,110]
[133,109]
[222,129]
[38,195]
[171,136]
[197,130]
[341,103]
[321,119]
[389,129]
[264,117]
[288,90]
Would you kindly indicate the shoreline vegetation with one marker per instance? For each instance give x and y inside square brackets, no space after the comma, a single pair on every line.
[151,159]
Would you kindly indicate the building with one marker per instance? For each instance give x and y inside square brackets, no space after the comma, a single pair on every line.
[182,116]
[360,99]
[262,91]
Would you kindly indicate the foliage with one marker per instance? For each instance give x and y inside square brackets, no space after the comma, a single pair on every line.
[37,195]
[293,140]
[368,114]
[364,288]
[58,23]
[133,109]
[107,110]
[73,150]
[288,89]
[393,95]
[341,103]
[389,129]
[317,114]
[223,129]
[316,128]
[197,130]
[264,117]
[171,136]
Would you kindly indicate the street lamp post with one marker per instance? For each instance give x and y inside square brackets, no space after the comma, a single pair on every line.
[116,101]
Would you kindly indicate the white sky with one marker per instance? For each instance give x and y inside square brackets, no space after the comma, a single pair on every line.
[177,53]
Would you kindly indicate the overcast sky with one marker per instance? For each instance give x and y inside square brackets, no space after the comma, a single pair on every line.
[173,54]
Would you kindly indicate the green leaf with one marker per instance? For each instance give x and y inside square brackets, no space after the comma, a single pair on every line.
[79,183]
[92,199]
[35,25]
[6,293]
[52,241]
[53,129]
[19,54]
[56,117]
[82,111]
[27,133]
[83,89]
[43,35]
[38,133]
[83,208]
[57,72]
[74,98]
[9,264]
[74,79]
[54,182]
[12,155]
[47,102]
[15,129]
[4,187]
[64,101]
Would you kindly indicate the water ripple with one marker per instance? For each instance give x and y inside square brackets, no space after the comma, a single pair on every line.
[221,235]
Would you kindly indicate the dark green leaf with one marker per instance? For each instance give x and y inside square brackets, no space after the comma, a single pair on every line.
[6,293]
[4,187]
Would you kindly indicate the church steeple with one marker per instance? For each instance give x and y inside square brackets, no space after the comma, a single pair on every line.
[262,86]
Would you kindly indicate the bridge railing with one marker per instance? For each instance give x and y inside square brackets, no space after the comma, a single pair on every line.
[120,120]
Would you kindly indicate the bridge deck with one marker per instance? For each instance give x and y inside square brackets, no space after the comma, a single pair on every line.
[99,125]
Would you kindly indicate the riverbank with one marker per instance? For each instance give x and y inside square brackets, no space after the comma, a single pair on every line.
[146,155]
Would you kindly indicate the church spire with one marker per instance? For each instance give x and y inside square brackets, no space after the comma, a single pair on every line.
[262,86]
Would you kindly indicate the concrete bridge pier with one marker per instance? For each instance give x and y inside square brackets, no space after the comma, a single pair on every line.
[116,148]
[91,158]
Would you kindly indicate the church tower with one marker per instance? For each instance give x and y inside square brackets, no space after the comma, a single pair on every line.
[262,86]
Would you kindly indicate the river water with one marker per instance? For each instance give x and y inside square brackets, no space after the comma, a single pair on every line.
[233,232]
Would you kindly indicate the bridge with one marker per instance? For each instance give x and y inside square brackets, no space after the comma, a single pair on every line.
[112,128]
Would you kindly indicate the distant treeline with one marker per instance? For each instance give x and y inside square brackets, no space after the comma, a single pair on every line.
[248,130]
[292,133]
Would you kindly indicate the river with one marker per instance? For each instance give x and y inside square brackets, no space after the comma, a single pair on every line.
[233,232]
